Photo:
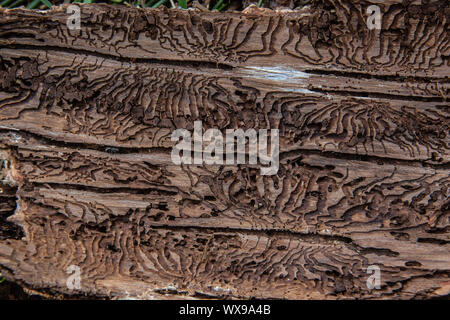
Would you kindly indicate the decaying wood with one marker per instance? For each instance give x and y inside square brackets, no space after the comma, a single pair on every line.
[87,179]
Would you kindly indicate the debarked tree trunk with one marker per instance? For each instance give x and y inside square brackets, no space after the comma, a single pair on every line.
[92,202]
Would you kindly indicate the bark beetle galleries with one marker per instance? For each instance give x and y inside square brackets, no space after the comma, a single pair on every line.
[86,118]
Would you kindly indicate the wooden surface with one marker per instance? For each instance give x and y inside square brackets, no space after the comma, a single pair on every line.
[364,179]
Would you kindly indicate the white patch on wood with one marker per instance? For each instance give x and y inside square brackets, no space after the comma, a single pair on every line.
[276,73]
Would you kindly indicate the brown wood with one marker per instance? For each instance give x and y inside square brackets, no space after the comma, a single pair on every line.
[364,179]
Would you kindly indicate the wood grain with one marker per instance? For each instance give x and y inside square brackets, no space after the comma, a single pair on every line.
[364,176]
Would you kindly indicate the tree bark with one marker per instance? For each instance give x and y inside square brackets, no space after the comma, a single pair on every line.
[86,118]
